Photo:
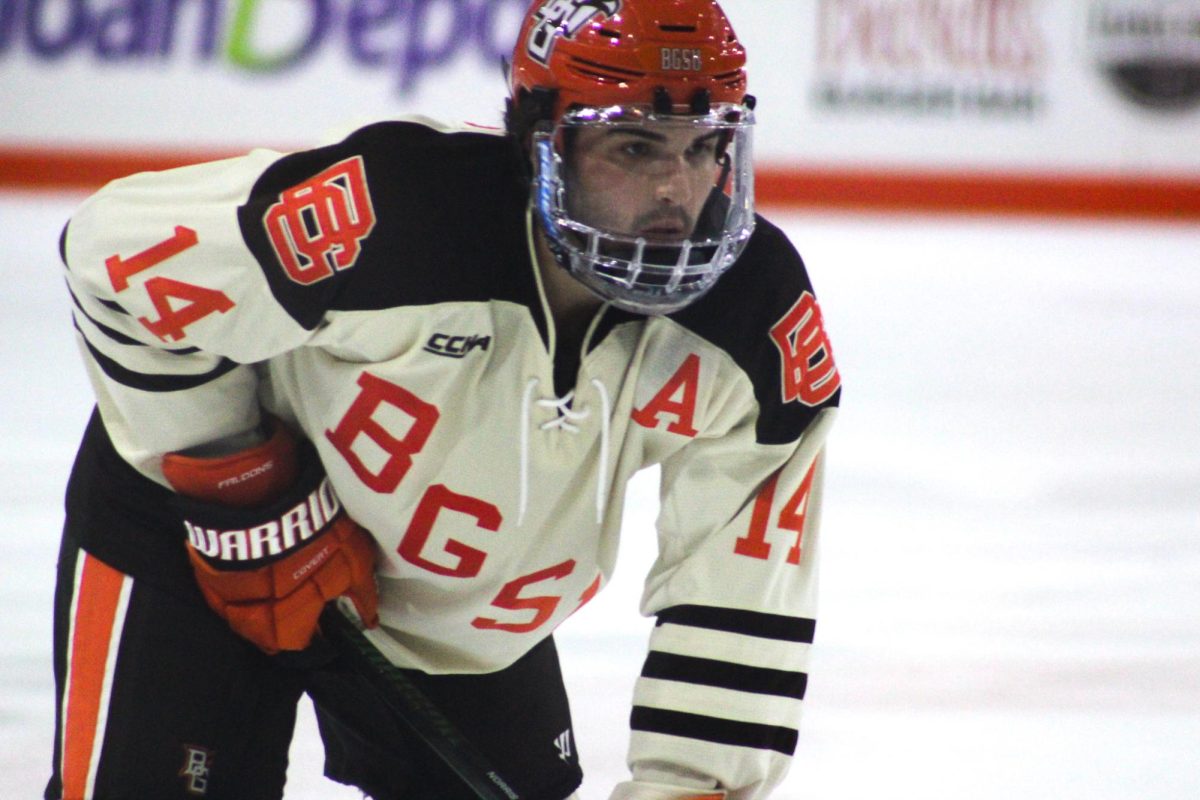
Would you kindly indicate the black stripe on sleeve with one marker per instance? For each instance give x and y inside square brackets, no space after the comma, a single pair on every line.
[115,335]
[749,623]
[112,305]
[725,675]
[119,337]
[155,383]
[62,246]
[714,729]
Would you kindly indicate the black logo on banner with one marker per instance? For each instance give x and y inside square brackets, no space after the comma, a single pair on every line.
[1149,50]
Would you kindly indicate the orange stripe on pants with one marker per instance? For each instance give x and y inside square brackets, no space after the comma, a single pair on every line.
[98,598]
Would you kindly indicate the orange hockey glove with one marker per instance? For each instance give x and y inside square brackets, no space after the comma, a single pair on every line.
[269,542]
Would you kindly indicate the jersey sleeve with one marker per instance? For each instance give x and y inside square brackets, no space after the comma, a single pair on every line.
[175,276]
[733,589]
[734,596]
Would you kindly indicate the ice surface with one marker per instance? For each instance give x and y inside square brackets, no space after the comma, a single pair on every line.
[1011,581]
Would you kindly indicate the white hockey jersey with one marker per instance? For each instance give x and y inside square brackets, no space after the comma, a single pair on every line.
[380,295]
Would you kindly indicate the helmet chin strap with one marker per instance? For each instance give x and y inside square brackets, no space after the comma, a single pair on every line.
[561,257]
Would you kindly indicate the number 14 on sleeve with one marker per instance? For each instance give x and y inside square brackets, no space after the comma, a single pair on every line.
[178,303]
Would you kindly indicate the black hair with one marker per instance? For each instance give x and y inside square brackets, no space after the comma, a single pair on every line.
[523,114]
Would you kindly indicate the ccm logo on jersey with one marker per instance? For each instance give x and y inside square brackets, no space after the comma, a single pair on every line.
[456,346]
[809,374]
[272,538]
[317,227]
[564,18]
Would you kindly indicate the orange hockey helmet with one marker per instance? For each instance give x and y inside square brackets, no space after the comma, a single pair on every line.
[664,82]
[620,52]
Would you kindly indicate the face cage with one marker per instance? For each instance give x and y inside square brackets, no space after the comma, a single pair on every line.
[630,272]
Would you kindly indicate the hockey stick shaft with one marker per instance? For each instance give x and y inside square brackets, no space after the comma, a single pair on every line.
[414,709]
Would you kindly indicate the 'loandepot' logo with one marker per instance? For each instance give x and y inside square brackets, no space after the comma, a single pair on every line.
[409,37]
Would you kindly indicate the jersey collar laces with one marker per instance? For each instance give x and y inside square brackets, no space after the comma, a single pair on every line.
[566,419]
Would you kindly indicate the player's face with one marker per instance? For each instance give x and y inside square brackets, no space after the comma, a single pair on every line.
[640,180]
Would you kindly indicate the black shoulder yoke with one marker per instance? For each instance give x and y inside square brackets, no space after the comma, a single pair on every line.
[396,214]
[750,314]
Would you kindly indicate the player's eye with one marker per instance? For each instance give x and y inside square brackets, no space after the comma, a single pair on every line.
[635,148]
[702,149]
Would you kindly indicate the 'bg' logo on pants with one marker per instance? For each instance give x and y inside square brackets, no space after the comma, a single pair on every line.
[197,763]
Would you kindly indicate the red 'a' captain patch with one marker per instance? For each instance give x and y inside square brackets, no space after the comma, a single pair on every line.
[809,374]
[317,227]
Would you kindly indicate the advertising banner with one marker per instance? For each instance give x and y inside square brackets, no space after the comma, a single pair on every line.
[859,100]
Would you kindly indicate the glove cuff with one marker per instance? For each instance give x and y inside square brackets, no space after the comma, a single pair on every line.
[247,478]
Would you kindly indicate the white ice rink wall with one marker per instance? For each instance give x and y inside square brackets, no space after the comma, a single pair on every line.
[1067,106]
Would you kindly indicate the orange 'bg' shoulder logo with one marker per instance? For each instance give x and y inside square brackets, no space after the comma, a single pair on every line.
[317,227]
[809,374]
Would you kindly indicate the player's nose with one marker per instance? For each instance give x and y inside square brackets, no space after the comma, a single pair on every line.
[671,186]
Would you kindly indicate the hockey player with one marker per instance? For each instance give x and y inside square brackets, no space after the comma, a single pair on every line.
[416,370]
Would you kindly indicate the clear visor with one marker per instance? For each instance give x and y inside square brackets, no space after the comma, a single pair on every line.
[649,208]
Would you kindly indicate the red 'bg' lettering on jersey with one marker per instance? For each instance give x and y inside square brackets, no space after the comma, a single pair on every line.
[317,227]
[375,391]
[809,374]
